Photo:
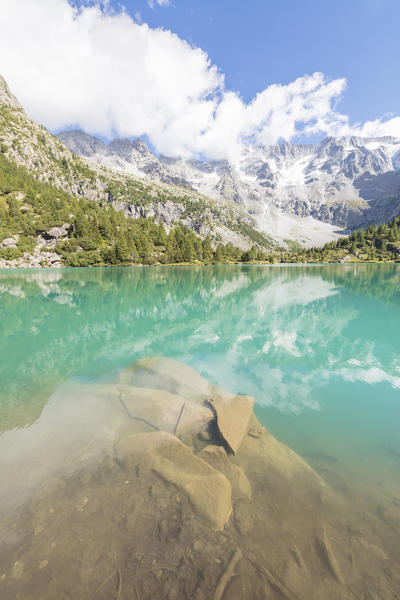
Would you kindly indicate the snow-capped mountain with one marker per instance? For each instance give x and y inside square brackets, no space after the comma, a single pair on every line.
[133,157]
[293,190]
[26,144]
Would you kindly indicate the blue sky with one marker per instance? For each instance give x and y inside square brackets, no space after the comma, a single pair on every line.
[259,42]
[205,78]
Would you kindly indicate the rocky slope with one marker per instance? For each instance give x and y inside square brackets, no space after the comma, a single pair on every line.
[30,145]
[346,182]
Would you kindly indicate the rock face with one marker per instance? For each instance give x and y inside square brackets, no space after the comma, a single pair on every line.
[347,182]
[6,96]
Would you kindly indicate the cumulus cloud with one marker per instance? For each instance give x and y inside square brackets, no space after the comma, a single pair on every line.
[378,127]
[99,69]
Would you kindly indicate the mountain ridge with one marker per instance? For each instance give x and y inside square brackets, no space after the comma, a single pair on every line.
[47,159]
[273,196]
[347,182]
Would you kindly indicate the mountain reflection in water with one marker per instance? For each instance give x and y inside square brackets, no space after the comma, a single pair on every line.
[274,329]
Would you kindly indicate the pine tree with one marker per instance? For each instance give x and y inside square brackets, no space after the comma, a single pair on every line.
[207,250]
[218,254]
[122,251]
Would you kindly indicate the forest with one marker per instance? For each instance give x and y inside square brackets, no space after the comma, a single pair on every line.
[97,234]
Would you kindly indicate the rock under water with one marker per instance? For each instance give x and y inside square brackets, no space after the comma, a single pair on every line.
[163,485]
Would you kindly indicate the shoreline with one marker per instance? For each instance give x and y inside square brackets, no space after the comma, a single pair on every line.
[200,264]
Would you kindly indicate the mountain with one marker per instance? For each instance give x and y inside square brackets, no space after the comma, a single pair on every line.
[166,199]
[217,180]
[345,182]
[131,157]
[273,196]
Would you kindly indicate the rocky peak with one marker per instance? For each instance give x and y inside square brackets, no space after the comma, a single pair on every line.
[140,146]
[265,172]
[287,150]
[229,187]
[82,143]
[6,97]
[396,161]
[124,148]
[340,181]
[121,147]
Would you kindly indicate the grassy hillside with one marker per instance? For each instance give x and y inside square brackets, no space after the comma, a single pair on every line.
[94,234]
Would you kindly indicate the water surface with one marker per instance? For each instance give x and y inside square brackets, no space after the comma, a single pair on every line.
[316,346]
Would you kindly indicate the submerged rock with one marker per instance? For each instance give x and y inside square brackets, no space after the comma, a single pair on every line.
[193,418]
[257,432]
[217,458]
[158,409]
[328,555]
[164,411]
[160,495]
[233,414]
[167,374]
[208,490]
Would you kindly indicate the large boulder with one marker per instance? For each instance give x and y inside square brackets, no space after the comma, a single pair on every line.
[208,490]
[164,411]
[167,374]
[217,457]
[55,233]
[233,414]
[9,242]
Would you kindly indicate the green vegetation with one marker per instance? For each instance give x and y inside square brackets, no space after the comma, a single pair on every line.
[26,143]
[95,234]
[375,244]
[98,234]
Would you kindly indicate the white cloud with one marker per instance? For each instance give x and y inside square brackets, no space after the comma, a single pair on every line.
[378,127]
[98,69]
[152,3]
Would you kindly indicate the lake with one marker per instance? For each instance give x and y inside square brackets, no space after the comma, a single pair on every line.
[317,347]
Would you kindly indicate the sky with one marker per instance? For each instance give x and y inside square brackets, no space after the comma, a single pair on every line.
[206,78]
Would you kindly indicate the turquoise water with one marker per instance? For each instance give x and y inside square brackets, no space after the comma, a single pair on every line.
[318,347]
